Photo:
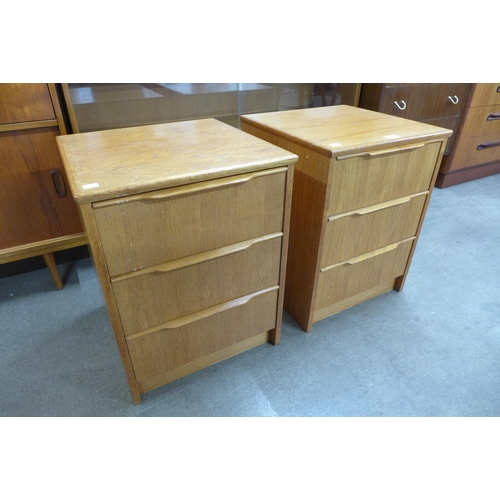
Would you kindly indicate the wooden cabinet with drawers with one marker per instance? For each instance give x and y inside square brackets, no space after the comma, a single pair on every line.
[362,185]
[188,226]
[439,104]
[476,150]
[37,217]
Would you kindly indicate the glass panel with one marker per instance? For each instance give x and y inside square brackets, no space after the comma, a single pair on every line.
[99,106]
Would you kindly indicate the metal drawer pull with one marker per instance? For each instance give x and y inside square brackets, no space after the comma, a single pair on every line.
[487,145]
[58,182]
[493,116]
[498,89]
[453,99]
[400,107]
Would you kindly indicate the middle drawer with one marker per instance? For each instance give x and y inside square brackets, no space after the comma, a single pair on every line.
[367,229]
[160,294]
[152,228]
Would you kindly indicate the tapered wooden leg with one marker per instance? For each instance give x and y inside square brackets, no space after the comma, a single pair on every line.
[54,272]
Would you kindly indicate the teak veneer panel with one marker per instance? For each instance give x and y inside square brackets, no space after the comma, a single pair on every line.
[25,102]
[232,210]
[352,234]
[363,273]
[164,350]
[395,172]
[32,211]
[114,163]
[158,297]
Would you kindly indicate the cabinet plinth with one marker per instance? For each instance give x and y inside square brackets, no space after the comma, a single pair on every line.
[188,227]
[361,189]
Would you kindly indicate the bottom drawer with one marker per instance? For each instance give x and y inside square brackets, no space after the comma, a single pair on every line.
[354,276]
[201,334]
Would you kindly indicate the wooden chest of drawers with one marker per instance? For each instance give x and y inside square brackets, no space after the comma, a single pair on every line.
[188,227]
[361,189]
[476,150]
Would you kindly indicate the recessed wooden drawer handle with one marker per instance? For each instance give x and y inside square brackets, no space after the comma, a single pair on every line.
[58,182]
[488,145]
[381,206]
[192,260]
[190,189]
[381,152]
[493,116]
[368,255]
[376,208]
[191,318]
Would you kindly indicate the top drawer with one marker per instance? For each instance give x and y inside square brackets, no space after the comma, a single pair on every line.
[486,94]
[25,102]
[424,101]
[376,176]
[151,228]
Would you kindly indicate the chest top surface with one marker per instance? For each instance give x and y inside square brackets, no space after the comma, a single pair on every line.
[340,130]
[119,162]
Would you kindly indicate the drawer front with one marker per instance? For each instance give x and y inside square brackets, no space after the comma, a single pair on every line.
[364,180]
[166,349]
[403,101]
[365,230]
[425,101]
[157,297]
[147,230]
[481,121]
[486,94]
[476,151]
[365,272]
[444,99]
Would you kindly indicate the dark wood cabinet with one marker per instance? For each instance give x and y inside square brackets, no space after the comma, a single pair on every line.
[38,215]
[439,104]
[476,149]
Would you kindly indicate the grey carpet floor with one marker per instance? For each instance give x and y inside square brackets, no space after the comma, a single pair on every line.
[431,350]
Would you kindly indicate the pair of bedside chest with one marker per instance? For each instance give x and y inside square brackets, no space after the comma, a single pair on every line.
[196,227]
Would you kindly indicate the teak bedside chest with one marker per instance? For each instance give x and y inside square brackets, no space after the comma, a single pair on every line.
[361,189]
[188,228]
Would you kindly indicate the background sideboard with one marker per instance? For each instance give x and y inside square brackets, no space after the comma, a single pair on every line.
[38,215]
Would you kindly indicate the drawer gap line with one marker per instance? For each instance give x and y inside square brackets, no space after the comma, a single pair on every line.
[191,318]
[192,260]
[196,188]
[368,255]
[377,207]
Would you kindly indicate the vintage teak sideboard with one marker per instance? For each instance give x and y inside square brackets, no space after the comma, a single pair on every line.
[37,213]
[188,228]
[362,185]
